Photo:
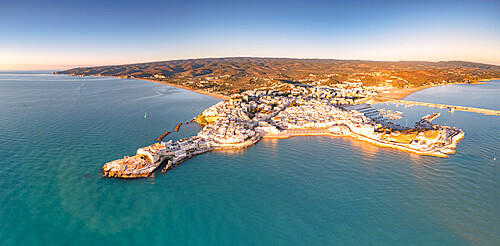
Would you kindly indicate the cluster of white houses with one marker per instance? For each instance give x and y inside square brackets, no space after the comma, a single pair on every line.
[247,117]
[230,124]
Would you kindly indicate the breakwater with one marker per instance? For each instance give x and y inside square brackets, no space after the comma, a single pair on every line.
[162,136]
[437,105]
[178,127]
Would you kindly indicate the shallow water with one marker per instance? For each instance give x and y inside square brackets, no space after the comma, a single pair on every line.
[57,131]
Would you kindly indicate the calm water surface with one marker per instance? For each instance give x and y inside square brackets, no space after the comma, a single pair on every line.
[57,131]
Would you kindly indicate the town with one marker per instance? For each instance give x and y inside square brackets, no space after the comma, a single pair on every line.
[298,110]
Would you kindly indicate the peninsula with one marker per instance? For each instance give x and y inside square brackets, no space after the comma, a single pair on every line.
[297,110]
[285,97]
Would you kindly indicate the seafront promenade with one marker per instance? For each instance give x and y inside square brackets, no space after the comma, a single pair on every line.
[399,146]
[301,132]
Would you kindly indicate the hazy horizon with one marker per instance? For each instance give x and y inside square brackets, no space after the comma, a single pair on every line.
[59,35]
[32,67]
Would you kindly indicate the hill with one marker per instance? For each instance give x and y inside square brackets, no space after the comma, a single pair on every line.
[235,74]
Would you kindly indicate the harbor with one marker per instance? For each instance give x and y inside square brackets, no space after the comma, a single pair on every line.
[441,106]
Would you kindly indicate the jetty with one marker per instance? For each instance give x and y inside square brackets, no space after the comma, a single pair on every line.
[162,136]
[381,116]
[449,107]
[178,127]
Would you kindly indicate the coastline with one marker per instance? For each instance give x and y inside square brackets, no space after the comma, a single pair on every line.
[185,88]
[234,129]
[274,177]
[361,138]
[483,81]
[219,96]
[393,94]
[402,93]
[397,94]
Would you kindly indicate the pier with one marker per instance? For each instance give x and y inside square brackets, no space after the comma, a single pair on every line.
[178,127]
[450,107]
[162,136]
[378,115]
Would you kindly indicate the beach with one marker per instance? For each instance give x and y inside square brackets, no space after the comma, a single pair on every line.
[393,94]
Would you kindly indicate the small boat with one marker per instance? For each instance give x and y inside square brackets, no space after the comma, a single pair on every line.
[145,115]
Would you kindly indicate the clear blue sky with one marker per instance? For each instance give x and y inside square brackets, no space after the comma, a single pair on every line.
[46,34]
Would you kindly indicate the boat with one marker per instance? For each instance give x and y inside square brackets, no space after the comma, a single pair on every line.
[145,115]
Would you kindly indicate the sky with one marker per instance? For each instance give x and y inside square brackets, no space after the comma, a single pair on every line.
[53,34]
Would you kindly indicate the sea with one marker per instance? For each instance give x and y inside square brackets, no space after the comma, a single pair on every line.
[57,131]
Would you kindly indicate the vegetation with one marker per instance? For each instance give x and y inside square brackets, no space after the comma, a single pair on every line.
[204,120]
[233,75]
[294,104]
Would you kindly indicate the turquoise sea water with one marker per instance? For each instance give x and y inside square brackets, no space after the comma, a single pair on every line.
[57,131]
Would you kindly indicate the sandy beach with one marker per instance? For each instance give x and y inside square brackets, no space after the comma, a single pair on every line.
[402,93]
[392,94]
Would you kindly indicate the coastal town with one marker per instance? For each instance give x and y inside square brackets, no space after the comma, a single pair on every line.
[298,110]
